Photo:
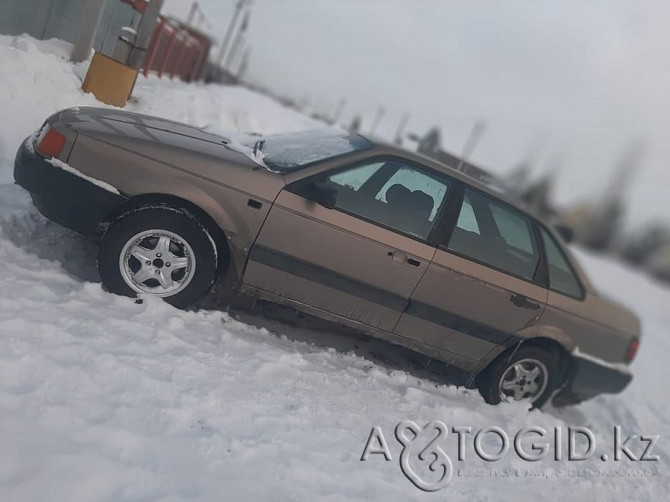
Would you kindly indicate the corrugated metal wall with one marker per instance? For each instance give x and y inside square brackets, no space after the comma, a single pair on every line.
[40,18]
[115,15]
[176,50]
[46,19]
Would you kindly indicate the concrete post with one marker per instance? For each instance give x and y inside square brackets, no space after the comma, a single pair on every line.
[89,18]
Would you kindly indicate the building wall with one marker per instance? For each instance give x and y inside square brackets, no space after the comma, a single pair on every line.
[98,23]
[115,15]
[42,19]
[64,19]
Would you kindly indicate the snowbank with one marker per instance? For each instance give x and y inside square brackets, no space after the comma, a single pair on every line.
[102,398]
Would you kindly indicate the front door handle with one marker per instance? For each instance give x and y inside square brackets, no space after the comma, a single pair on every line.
[401,258]
[523,302]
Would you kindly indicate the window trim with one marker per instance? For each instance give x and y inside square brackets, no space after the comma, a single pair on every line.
[532,280]
[296,188]
[540,226]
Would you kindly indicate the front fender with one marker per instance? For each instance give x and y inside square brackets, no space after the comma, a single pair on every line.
[190,193]
[134,174]
[239,222]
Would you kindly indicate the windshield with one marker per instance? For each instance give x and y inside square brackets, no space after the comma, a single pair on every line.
[287,152]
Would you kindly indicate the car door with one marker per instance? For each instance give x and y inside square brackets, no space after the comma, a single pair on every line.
[362,259]
[479,287]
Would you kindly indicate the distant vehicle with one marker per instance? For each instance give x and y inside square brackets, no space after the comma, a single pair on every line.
[340,227]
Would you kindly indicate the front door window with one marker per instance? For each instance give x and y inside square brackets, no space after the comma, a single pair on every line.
[396,195]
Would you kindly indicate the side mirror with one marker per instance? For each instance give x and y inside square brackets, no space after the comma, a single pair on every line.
[323,195]
[565,232]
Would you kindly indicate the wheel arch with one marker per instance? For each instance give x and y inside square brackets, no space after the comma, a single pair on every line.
[549,344]
[218,234]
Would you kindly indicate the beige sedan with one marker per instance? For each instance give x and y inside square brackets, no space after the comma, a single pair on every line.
[340,227]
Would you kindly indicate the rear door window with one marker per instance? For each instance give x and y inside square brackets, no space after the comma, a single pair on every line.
[495,234]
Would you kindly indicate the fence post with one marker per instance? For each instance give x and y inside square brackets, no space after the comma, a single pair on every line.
[153,47]
[87,24]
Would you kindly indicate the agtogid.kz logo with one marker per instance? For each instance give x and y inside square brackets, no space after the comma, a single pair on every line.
[422,447]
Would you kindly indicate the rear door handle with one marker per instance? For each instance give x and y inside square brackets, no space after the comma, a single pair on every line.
[401,258]
[523,302]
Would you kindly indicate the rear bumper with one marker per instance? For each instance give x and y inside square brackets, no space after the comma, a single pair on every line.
[588,378]
[61,196]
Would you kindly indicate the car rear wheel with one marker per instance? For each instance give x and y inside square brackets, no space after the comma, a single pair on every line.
[529,374]
[159,251]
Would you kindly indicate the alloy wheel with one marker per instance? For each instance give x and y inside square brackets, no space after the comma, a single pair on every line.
[525,380]
[157,262]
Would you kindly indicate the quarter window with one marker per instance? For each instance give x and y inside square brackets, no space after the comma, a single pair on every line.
[393,194]
[466,218]
[561,276]
[496,235]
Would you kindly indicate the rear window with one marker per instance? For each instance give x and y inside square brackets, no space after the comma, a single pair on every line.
[287,152]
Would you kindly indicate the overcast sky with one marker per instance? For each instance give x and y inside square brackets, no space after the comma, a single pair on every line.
[570,85]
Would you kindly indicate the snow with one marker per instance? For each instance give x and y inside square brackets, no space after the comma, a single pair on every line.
[245,144]
[68,168]
[621,367]
[287,151]
[102,398]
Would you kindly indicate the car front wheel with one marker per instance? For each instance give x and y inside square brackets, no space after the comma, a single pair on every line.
[529,374]
[160,251]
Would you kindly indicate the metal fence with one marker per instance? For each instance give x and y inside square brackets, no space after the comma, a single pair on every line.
[75,21]
[42,19]
[176,49]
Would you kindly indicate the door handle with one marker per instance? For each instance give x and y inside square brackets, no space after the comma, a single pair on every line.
[523,302]
[401,258]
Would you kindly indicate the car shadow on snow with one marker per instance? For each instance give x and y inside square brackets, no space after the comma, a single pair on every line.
[76,255]
[296,326]
[38,236]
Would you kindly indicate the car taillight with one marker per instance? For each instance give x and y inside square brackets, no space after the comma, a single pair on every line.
[633,345]
[50,143]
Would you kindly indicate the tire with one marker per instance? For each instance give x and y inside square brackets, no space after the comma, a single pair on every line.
[512,374]
[160,251]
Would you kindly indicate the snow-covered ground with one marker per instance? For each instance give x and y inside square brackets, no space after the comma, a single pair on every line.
[102,398]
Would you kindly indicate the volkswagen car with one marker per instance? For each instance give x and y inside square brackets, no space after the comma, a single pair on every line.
[338,226]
